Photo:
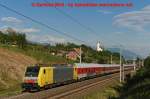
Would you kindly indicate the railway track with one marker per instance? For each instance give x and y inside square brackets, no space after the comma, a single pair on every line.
[84,88]
[74,93]
[68,90]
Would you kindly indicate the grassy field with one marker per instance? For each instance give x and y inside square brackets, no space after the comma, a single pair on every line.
[9,86]
[10,82]
[103,93]
[11,91]
[40,56]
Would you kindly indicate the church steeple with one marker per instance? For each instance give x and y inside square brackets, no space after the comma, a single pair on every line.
[99,49]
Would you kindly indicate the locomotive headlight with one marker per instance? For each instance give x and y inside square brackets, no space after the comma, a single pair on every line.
[30,80]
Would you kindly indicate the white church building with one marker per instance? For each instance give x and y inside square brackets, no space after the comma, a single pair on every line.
[99,47]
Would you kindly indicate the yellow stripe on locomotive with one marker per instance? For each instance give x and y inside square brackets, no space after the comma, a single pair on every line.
[45,76]
[37,77]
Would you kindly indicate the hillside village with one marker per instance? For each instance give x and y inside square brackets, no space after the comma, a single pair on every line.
[16,53]
[68,51]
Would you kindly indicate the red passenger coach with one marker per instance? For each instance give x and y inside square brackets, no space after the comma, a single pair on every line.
[89,69]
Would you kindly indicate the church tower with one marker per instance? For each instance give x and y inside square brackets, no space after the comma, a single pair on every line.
[98,47]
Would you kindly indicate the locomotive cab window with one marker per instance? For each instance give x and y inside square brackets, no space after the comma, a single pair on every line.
[32,71]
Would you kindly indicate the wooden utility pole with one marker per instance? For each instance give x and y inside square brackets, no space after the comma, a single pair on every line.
[111,59]
[79,53]
[120,66]
[134,64]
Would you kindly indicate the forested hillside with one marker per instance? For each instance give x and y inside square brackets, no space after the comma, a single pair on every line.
[16,52]
[138,86]
[18,41]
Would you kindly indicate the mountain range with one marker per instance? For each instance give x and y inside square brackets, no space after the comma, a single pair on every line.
[127,54]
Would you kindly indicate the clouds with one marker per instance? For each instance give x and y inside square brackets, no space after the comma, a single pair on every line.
[16,24]
[20,30]
[33,35]
[31,32]
[27,30]
[11,20]
[137,23]
[135,20]
[104,11]
[45,38]
[119,33]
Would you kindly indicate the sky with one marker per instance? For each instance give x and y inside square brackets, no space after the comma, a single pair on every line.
[112,26]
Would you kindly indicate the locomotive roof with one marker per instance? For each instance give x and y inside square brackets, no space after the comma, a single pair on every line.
[50,65]
[83,65]
[95,65]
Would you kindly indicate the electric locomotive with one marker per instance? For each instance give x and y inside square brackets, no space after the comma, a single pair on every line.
[47,76]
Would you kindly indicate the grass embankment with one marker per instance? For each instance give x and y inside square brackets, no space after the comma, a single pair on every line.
[13,61]
[13,90]
[8,85]
[103,92]
[136,87]
[40,56]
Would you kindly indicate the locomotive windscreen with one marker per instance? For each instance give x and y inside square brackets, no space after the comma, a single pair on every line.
[32,71]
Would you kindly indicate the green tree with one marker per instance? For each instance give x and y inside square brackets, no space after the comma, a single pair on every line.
[147,62]
[21,40]
[138,86]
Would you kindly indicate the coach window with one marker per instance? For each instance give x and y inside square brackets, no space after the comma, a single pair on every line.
[44,71]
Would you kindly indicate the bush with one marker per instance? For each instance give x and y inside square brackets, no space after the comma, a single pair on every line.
[138,86]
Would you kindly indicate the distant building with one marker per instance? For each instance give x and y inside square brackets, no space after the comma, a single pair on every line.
[77,50]
[53,53]
[58,53]
[99,47]
[72,55]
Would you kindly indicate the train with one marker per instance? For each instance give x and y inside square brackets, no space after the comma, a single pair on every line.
[47,76]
